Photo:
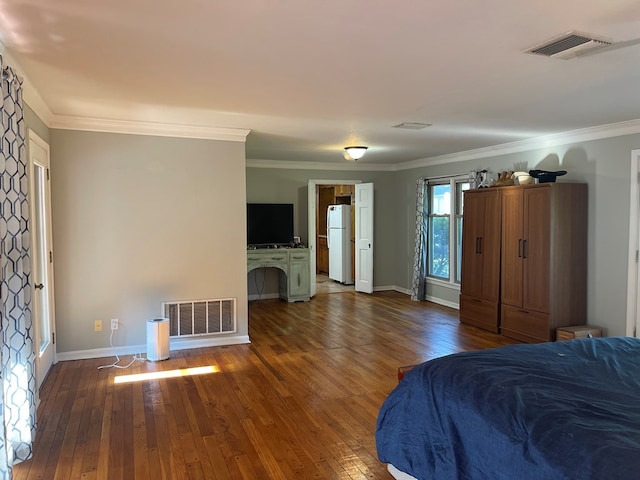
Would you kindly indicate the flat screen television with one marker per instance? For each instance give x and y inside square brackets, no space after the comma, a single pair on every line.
[269,224]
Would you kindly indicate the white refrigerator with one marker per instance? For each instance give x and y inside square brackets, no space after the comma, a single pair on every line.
[339,243]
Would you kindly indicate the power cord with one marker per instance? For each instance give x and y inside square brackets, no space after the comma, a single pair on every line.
[136,356]
[259,289]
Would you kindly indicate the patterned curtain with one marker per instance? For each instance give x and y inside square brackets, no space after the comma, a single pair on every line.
[17,355]
[419,284]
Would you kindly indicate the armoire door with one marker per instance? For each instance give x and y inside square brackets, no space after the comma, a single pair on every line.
[472,231]
[537,249]
[512,247]
[481,244]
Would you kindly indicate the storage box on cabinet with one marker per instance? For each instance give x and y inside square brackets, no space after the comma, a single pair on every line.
[578,331]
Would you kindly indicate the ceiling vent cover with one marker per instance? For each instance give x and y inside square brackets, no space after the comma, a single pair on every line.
[569,45]
[412,125]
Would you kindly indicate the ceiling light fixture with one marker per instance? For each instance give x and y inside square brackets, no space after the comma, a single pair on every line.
[356,152]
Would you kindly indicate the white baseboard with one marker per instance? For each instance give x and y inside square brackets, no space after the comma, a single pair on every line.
[406,291]
[444,303]
[264,296]
[174,344]
[394,288]
[186,343]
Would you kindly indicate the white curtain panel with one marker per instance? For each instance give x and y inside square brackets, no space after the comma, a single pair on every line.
[17,354]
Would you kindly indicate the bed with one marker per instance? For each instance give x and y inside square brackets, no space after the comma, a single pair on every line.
[549,411]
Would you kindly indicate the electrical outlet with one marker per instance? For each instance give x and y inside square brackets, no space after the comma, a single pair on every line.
[97,326]
[114,324]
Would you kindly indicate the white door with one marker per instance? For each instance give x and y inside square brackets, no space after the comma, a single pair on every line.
[364,237]
[42,255]
[633,289]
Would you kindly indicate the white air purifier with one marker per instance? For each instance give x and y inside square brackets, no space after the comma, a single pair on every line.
[157,339]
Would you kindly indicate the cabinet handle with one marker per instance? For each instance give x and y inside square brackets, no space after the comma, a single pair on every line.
[480,241]
[477,244]
[524,249]
[519,247]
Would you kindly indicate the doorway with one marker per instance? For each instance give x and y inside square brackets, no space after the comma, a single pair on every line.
[326,195]
[633,282]
[42,255]
[347,193]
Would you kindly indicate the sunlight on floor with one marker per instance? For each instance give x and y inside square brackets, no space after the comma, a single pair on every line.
[182,372]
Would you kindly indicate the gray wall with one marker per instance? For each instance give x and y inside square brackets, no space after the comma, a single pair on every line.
[138,220]
[279,185]
[605,166]
[90,169]
[34,123]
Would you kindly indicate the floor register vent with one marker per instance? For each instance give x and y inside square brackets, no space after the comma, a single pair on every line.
[195,318]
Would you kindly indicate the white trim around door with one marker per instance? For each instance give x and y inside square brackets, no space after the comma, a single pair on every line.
[312,195]
[633,284]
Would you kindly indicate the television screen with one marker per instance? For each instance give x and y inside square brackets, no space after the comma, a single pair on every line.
[269,223]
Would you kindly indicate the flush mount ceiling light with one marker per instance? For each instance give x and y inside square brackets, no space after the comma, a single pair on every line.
[355,152]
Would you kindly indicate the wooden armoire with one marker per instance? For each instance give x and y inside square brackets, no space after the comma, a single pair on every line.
[541,259]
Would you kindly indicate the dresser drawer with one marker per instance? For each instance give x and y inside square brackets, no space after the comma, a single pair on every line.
[299,257]
[266,258]
[479,313]
[525,325]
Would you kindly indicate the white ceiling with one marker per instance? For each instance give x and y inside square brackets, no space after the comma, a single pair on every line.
[309,77]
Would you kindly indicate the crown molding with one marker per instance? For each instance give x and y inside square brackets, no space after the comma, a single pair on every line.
[351,166]
[629,127]
[51,120]
[67,122]
[574,136]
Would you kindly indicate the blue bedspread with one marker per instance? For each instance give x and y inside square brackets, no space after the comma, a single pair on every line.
[564,410]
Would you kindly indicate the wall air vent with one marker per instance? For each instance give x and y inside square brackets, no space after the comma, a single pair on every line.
[190,318]
[569,45]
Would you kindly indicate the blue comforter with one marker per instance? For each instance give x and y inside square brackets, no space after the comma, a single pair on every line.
[564,410]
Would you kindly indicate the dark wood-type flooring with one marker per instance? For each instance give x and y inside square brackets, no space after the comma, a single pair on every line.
[299,402]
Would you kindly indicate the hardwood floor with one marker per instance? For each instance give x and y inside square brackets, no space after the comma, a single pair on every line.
[299,402]
[325,285]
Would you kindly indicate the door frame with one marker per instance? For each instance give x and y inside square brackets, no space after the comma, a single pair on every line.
[48,235]
[312,194]
[633,279]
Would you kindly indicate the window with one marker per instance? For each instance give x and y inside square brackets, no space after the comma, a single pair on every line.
[445,231]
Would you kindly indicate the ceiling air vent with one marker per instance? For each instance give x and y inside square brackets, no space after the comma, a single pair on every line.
[569,45]
[412,125]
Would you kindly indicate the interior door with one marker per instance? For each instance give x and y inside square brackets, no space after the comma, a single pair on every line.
[364,237]
[42,255]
